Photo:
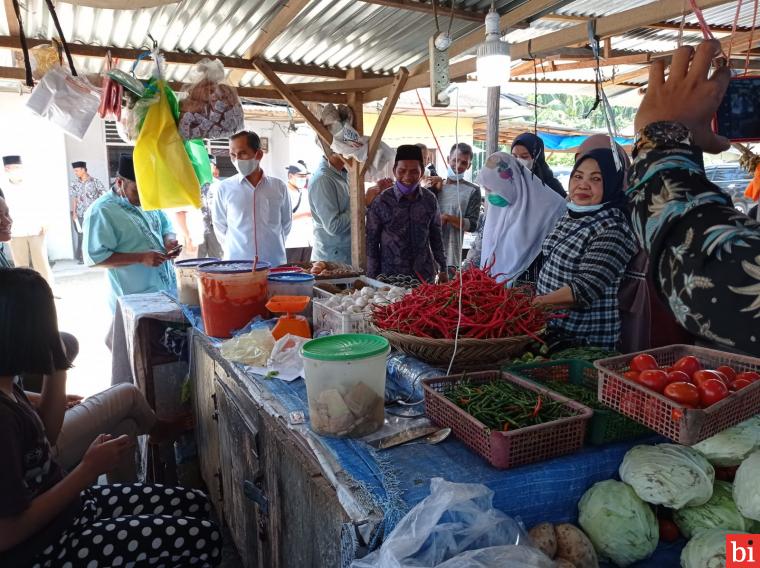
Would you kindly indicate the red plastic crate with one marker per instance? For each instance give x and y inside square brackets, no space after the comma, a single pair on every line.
[504,450]
[664,416]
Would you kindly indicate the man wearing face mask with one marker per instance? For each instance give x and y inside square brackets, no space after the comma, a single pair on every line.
[252,213]
[329,201]
[459,202]
[301,234]
[133,245]
[404,225]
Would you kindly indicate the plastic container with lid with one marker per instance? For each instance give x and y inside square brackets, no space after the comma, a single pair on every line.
[345,383]
[187,283]
[291,284]
[232,293]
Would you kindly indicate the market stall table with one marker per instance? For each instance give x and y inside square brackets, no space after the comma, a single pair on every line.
[292,498]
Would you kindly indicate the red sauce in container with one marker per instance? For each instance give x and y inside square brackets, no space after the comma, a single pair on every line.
[231,295]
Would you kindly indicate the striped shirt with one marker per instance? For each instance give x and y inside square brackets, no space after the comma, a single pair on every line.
[589,254]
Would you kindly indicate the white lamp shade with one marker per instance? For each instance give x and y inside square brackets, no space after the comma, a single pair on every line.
[493,69]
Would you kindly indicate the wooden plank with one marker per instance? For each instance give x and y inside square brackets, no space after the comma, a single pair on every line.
[385,115]
[13,73]
[551,67]
[344,86]
[456,71]
[265,69]
[427,8]
[357,205]
[180,58]
[285,14]
[10,16]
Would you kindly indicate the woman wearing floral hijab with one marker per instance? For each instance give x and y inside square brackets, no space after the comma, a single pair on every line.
[586,254]
[521,212]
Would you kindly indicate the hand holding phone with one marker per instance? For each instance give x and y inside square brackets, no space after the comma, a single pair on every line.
[174,253]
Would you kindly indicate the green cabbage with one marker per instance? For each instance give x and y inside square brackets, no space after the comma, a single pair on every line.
[732,446]
[719,512]
[621,526]
[668,474]
[706,550]
[747,487]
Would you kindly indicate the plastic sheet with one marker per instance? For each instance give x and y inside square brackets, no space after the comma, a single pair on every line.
[252,348]
[454,518]
[67,101]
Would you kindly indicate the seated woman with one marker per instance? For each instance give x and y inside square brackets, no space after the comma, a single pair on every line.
[529,150]
[586,254]
[521,213]
[49,518]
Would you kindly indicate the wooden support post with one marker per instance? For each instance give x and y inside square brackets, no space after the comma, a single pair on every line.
[385,115]
[492,118]
[356,182]
[264,68]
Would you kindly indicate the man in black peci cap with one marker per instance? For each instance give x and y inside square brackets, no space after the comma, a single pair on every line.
[134,245]
[83,193]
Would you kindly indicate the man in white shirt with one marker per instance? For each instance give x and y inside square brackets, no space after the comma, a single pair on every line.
[252,211]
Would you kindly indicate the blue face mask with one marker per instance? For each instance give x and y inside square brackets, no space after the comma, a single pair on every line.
[497,200]
[584,208]
[454,175]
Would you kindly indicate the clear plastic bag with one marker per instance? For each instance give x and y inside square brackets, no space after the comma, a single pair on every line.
[286,354]
[454,519]
[209,108]
[67,101]
[508,556]
[252,348]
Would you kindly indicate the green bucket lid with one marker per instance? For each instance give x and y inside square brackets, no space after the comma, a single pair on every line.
[345,347]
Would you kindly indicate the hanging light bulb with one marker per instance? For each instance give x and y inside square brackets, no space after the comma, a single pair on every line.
[493,61]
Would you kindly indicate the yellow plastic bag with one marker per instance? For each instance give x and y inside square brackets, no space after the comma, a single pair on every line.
[165,176]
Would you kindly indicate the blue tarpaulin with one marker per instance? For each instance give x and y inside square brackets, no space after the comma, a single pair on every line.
[562,143]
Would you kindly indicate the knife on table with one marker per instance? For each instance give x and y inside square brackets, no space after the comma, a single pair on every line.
[402,437]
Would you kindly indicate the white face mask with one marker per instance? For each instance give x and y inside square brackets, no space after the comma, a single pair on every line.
[584,208]
[246,167]
[528,163]
[454,175]
[300,183]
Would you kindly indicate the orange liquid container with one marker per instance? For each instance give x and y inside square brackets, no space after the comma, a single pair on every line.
[231,295]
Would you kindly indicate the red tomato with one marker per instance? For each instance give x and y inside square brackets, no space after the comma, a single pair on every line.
[683,393]
[688,365]
[711,391]
[668,530]
[653,379]
[643,362]
[751,376]
[678,377]
[706,375]
[728,372]
[739,384]
[632,375]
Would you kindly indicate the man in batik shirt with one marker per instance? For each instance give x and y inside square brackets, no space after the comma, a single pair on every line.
[84,192]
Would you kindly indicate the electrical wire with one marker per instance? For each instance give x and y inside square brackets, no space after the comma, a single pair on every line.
[422,108]
[435,15]
[451,16]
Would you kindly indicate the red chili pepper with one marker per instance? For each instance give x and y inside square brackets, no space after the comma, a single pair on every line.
[537,408]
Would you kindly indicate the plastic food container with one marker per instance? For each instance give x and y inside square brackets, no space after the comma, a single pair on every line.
[345,383]
[291,284]
[231,295]
[187,283]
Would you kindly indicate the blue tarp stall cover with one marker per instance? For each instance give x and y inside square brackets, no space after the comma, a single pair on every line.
[562,143]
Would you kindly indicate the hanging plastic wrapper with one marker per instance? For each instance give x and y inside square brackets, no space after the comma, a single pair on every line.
[42,59]
[111,95]
[67,101]
[209,108]
[165,175]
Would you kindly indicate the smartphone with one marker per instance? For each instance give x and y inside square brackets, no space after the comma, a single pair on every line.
[738,116]
[174,252]
[430,171]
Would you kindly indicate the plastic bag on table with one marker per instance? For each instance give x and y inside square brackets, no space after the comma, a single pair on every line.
[209,109]
[453,519]
[165,175]
[252,348]
[286,355]
[67,101]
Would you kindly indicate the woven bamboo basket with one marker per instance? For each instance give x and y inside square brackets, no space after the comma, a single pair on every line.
[471,354]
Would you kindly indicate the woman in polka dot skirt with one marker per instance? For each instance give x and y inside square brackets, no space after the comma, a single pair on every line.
[52,519]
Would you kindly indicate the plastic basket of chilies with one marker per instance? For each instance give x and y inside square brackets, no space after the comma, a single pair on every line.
[559,435]
[684,425]
[577,379]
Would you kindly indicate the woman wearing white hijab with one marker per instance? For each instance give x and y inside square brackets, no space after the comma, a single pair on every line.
[522,211]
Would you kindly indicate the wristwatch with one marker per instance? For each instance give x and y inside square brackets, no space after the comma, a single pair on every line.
[659,134]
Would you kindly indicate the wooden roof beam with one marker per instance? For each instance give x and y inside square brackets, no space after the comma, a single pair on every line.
[654,26]
[551,67]
[265,69]
[427,8]
[286,13]
[179,58]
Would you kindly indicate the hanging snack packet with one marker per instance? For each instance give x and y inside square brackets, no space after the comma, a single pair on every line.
[210,109]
